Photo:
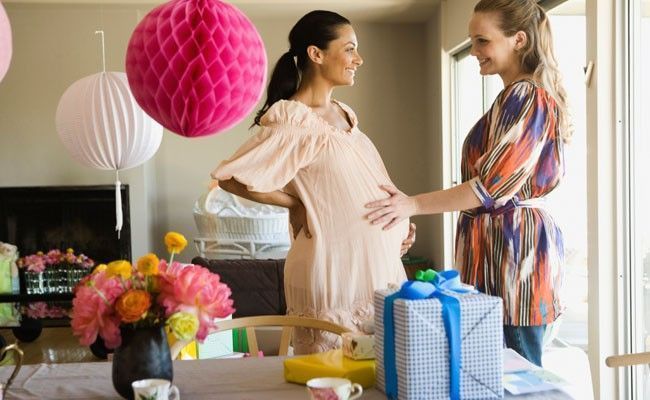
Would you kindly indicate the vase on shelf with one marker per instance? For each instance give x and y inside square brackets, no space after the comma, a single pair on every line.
[143,354]
[34,282]
[73,277]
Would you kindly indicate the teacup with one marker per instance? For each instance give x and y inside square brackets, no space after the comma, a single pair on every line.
[333,389]
[155,389]
[19,361]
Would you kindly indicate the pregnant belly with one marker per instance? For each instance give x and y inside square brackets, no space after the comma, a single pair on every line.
[364,232]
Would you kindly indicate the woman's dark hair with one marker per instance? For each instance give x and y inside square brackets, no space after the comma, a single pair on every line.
[317,28]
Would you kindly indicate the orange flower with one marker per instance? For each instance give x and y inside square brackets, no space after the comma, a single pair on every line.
[132,304]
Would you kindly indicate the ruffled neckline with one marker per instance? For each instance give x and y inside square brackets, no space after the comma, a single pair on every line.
[300,114]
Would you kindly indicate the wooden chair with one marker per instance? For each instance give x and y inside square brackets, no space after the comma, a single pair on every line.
[287,323]
[626,360]
[250,323]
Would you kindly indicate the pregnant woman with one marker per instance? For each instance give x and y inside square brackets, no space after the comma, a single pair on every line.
[310,156]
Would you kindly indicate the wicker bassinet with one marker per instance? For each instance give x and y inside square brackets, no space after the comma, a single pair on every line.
[223,216]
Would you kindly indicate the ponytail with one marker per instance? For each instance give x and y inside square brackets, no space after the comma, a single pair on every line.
[548,74]
[283,84]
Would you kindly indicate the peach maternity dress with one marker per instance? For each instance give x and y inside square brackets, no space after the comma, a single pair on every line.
[334,172]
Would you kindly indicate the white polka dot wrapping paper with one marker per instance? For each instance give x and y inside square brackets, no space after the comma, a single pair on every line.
[422,348]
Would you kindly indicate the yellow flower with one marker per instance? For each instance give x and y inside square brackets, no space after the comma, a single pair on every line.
[148,264]
[119,267]
[70,250]
[175,242]
[100,268]
[184,325]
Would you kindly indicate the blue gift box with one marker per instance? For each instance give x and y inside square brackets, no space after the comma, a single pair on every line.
[421,350]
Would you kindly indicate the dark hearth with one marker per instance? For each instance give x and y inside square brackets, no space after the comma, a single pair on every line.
[59,217]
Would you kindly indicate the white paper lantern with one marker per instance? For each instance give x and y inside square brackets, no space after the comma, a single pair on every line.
[5,42]
[102,126]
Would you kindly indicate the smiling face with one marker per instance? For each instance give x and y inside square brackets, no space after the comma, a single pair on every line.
[341,59]
[495,52]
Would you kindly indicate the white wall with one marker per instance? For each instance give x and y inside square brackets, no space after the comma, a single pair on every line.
[56,45]
[389,100]
[455,19]
[436,139]
[53,47]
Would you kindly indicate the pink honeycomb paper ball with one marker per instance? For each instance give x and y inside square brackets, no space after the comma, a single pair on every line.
[5,42]
[198,67]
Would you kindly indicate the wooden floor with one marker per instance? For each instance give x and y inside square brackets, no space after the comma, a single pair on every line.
[54,345]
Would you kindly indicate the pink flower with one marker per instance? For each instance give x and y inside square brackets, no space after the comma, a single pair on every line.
[57,312]
[39,262]
[53,257]
[41,309]
[84,261]
[194,289]
[37,310]
[33,263]
[323,394]
[93,310]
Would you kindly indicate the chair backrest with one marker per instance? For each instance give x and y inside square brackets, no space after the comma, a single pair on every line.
[626,360]
[287,323]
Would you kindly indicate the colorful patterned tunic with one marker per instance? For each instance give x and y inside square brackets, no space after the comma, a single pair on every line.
[511,247]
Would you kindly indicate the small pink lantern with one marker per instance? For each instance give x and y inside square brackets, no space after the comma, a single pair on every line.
[198,67]
[5,42]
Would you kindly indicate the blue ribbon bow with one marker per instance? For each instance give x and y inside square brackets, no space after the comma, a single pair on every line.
[446,281]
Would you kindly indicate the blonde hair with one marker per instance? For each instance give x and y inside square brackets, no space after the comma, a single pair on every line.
[537,55]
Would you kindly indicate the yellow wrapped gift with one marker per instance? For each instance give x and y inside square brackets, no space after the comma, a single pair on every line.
[331,363]
[189,352]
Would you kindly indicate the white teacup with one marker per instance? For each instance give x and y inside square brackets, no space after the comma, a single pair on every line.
[155,389]
[333,389]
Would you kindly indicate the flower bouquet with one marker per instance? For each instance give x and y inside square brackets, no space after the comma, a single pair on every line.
[41,309]
[129,305]
[54,271]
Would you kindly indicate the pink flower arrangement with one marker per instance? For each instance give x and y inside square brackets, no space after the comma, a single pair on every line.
[55,258]
[195,290]
[185,298]
[41,309]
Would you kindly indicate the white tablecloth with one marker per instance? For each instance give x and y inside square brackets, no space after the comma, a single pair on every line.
[229,379]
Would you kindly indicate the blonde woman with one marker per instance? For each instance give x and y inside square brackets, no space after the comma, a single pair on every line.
[507,243]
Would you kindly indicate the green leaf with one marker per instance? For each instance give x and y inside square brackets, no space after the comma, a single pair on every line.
[144,397]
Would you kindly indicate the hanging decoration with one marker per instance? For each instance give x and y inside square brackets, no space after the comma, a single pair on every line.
[102,126]
[196,66]
[5,42]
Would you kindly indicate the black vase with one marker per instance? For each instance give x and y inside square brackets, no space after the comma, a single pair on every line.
[143,354]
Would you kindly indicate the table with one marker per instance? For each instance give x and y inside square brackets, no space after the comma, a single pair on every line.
[226,379]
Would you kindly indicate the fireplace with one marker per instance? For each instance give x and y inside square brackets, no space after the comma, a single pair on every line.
[60,217]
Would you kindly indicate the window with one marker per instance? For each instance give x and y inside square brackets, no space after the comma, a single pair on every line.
[473,96]
[638,84]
